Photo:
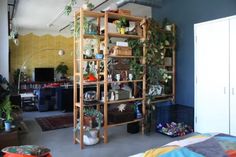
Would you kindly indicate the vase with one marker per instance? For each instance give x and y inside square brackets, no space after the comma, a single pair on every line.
[122,30]
[94,133]
[7,126]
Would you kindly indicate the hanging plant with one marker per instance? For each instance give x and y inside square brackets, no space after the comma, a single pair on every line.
[155,42]
[69,6]
[135,64]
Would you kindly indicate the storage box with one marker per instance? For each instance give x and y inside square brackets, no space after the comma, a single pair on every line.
[121,51]
[122,43]
[119,94]
[119,117]
[124,12]
[133,128]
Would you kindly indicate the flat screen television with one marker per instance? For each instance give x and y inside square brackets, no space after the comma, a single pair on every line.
[44,74]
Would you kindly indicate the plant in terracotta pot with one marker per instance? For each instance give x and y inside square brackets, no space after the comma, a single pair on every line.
[93,120]
[62,69]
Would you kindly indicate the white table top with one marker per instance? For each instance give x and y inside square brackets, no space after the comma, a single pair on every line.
[27,95]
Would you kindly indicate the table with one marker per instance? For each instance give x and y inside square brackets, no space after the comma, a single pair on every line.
[28,99]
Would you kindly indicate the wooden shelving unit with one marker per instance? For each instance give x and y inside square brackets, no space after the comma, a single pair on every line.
[172,48]
[79,61]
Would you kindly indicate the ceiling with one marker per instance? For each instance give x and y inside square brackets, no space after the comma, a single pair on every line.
[47,16]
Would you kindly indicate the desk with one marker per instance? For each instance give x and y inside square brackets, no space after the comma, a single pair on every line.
[28,99]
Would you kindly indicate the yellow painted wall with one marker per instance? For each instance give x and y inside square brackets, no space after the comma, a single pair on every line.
[31,47]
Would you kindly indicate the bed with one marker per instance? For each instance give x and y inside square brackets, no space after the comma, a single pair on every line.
[199,145]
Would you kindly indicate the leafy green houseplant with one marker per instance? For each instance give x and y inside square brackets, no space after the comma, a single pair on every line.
[87,5]
[5,103]
[121,24]
[62,69]
[155,43]
[93,114]
[76,28]
[156,72]
[135,64]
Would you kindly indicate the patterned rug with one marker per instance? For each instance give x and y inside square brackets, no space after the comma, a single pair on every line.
[55,122]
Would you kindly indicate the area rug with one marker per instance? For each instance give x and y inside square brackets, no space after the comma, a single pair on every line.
[55,122]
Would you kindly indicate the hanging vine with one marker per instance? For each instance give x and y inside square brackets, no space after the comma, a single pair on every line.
[155,42]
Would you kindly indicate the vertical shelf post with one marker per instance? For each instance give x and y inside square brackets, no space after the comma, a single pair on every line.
[106,53]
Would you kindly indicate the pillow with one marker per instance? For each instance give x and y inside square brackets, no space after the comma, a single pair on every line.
[27,150]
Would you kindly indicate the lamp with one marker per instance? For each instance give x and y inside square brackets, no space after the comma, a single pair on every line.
[61,52]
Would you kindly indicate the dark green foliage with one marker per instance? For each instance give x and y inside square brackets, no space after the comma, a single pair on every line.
[135,64]
[62,68]
[5,103]
[156,41]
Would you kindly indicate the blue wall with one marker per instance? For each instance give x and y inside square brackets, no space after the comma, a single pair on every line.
[185,13]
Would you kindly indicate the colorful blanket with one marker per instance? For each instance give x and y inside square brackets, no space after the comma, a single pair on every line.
[202,145]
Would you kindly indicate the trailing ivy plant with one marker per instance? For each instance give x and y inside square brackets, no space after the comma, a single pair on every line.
[69,6]
[156,73]
[136,65]
[155,42]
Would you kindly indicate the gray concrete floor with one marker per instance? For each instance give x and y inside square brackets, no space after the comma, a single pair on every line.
[60,141]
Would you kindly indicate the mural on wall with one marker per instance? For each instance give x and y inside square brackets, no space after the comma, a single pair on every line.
[41,51]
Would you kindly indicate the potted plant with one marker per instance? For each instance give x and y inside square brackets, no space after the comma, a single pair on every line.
[121,24]
[69,6]
[87,5]
[5,103]
[62,69]
[93,120]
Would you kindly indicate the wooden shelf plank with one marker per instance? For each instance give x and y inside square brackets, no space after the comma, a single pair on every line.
[90,13]
[91,83]
[89,104]
[90,60]
[164,95]
[125,100]
[89,36]
[95,36]
[118,35]
[123,56]
[127,81]
[117,16]
[161,100]
[118,124]
[102,82]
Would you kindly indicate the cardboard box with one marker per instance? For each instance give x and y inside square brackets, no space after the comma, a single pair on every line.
[124,11]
